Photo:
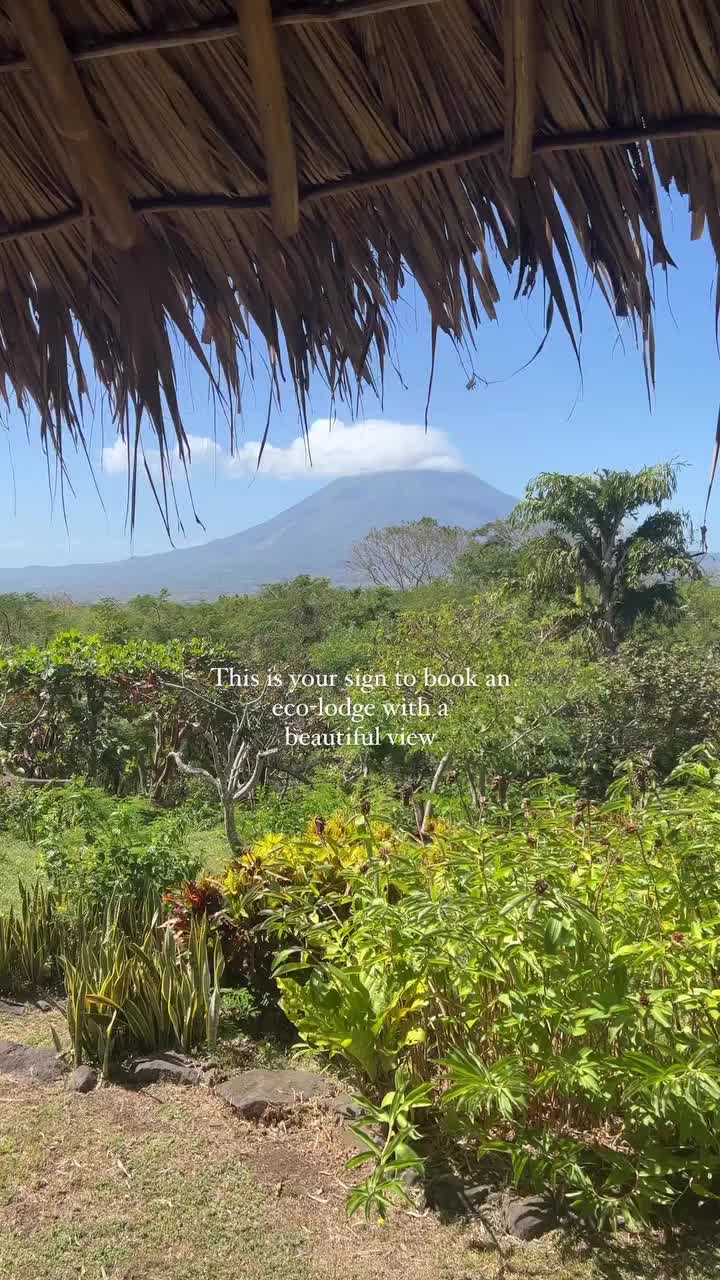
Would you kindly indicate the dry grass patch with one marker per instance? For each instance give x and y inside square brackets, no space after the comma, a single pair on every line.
[33,1028]
[164,1182]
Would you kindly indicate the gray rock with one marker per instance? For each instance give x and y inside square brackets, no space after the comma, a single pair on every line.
[168,1068]
[83,1079]
[342,1104]
[451,1195]
[529,1217]
[252,1093]
[13,1007]
[23,1063]
[43,1006]
[412,1179]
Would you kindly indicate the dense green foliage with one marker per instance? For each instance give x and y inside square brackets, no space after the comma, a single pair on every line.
[558,960]
[538,987]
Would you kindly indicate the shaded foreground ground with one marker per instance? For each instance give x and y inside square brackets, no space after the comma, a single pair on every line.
[163,1182]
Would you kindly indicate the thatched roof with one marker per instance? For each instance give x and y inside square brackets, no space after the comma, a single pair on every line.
[199,164]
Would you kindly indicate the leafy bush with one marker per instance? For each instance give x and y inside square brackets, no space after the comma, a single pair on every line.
[652,700]
[120,857]
[34,812]
[132,984]
[293,811]
[551,973]
[31,941]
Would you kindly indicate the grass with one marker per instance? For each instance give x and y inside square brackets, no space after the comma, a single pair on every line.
[114,1190]
[212,846]
[164,1182]
[18,861]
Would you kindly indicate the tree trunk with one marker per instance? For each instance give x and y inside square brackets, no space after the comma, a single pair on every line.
[609,612]
[231,832]
[608,608]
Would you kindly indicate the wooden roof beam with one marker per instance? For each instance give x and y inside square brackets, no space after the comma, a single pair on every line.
[520,35]
[70,113]
[154,40]
[263,55]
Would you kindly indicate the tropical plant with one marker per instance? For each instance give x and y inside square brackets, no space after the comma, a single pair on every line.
[510,716]
[30,942]
[550,973]
[150,994]
[592,541]
[392,1155]
[123,856]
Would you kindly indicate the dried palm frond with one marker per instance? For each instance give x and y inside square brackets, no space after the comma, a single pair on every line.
[368,93]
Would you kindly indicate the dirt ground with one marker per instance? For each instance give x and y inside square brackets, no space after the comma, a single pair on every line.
[164,1182]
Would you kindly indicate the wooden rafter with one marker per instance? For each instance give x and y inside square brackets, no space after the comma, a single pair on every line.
[520,36]
[224,29]
[69,112]
[263,55]
[487,144]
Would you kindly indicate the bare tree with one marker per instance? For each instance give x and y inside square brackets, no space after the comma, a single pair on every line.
[229,746]
[410,554]
[232,774]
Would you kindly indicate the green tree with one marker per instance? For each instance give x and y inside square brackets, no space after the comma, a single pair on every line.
[594,540]
[510,716]
[495,556]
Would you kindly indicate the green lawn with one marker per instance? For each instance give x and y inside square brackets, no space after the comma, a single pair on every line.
[212,847]
[18,861]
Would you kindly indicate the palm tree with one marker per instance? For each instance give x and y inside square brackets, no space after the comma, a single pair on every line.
[592,539]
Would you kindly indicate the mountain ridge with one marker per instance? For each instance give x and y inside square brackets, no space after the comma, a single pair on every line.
[313,536]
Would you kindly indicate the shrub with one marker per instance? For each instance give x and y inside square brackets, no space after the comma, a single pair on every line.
[120,857]
[34,812]
[654,700]
[31,941]
[551,973]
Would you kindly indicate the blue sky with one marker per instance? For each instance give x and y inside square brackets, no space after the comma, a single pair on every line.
[505,432]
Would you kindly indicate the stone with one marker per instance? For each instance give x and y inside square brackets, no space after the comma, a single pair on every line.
[83,1079]
[529,1217]
[453,1196]
[343,1105]
[43,1006]
[165,1068]
[13,1007]
[412,1179]
[24,1063]
[252,1093]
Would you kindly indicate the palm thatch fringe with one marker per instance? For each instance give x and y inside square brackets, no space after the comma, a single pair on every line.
[399,122]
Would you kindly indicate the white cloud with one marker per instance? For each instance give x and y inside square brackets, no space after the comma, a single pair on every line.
[339,450]
[334,448]
[115,456]
[203,449]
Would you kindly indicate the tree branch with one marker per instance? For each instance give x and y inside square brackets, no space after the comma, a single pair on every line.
[251,782]
[194,770]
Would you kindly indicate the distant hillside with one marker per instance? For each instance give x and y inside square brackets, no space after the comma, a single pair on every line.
[314,536]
